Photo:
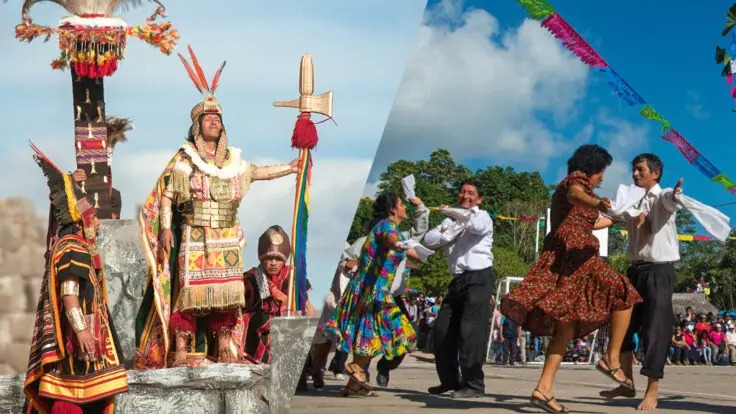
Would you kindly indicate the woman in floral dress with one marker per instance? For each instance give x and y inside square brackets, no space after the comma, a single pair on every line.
[367,322]
[571,290]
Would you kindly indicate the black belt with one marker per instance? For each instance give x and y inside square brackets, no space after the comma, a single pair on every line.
[641,263]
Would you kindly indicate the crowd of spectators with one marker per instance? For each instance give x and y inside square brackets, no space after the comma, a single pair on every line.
[703,339]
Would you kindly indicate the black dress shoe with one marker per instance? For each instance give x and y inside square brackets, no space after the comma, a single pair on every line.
[467,393]
[382,380]
[440,389]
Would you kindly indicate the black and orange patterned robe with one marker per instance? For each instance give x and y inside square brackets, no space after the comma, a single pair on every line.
[56,375]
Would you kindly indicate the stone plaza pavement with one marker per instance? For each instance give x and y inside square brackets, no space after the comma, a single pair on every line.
[684,390]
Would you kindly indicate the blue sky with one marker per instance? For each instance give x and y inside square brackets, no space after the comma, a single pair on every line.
[470,65]
[357,52]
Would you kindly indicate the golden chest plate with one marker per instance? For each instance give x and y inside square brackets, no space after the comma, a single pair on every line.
[221,190]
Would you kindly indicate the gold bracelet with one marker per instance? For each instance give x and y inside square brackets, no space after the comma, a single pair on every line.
[69,288]
[166,217]
[76,319]
[277,171]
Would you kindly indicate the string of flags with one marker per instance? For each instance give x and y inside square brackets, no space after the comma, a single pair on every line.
[680,237]
[725,56]
[541,10]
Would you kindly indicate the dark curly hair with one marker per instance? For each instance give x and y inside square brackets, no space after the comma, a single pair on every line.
[589,159]
[383,205]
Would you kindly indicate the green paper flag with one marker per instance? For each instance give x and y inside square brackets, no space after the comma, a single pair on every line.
[725,181]
[537,9]
[649,113]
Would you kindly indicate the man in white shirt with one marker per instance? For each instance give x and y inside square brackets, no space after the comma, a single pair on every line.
[420,225]
[652,251]
[462,322]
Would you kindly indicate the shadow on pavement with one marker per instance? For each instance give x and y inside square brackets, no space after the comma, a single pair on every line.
[665,403]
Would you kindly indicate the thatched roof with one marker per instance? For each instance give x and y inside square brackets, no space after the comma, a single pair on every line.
[698,301]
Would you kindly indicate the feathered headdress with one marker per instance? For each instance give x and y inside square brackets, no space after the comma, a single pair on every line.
[209,105]
[62,192]
[68,205]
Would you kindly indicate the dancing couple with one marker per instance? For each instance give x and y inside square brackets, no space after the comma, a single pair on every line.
[572,291]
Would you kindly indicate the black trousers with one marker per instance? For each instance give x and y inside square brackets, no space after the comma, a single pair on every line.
[384,366]
[652,319]
[337,365]
[462,326]
[510,350]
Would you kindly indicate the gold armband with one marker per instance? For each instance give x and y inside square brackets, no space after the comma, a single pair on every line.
[69,288]
[277,171]
[76,319]
[165,218]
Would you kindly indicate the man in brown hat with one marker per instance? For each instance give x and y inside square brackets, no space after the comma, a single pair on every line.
[266,294]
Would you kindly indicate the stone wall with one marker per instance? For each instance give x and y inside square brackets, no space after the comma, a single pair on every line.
[22,249]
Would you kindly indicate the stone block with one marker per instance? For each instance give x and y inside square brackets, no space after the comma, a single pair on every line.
[25,260]
[126,274]
[12,294]
[213,389]
[21,327]
[291,338]
[18,356]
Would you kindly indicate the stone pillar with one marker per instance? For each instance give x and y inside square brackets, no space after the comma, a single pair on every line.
[291,339]
[126,274]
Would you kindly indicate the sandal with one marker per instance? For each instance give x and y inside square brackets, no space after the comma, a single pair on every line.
[611,373]
[358,389]
[545,403]
[359,381]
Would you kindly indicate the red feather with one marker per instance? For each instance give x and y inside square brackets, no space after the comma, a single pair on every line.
[216,79]
[191,74]
[42,155]
[200,73]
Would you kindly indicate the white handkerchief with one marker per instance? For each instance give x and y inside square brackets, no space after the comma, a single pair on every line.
[626,197]
[713,221]
[422,251]
[408,183]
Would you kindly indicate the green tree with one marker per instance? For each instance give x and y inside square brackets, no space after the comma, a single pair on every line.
[362,220]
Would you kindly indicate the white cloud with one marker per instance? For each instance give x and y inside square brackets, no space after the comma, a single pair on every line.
[475,90]
[370,190]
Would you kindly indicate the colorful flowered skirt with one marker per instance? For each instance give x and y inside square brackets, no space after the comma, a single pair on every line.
[370,324]
[569,283]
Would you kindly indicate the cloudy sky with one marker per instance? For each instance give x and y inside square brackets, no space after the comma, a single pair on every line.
[493,87]
[358,51]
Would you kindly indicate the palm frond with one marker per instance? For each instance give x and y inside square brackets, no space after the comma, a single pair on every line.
[116,129]
[720,54]
[730,20]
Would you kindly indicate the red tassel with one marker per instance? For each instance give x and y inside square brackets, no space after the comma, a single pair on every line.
[305,133]
[64,407]
[220,320]
[184,322]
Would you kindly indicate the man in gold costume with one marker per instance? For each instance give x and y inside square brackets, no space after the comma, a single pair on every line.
[75,360]
[193,242]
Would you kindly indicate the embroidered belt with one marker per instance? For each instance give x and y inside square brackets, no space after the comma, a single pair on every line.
[212,214]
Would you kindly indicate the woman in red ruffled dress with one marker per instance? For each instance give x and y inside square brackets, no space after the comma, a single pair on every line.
[571,290]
